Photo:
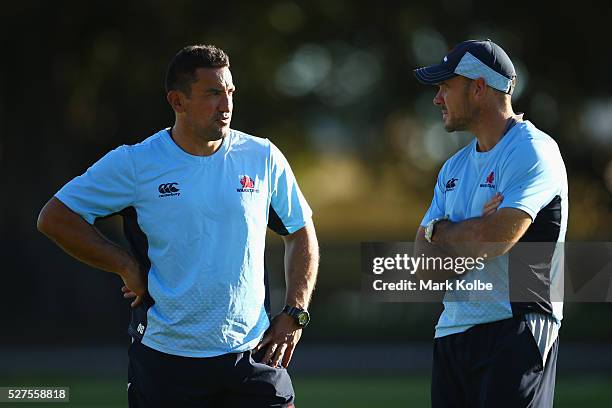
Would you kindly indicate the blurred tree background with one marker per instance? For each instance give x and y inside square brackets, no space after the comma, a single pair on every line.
[330,82]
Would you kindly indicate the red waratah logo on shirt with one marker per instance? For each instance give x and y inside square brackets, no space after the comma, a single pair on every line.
[247,182]
[248,185]
[489,181]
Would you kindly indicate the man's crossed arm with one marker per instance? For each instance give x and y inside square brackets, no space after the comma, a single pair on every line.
[490,235]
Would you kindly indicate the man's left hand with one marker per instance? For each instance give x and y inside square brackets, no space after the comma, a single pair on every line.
[280,339]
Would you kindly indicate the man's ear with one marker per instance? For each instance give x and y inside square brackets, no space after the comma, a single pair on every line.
[176,99]
[479,87]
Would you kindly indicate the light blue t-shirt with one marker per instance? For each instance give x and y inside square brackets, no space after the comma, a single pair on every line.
[202,221]
[526,167]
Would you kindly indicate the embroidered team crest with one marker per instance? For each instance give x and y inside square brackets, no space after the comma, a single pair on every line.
[247,182]
[247,185]
[489,181]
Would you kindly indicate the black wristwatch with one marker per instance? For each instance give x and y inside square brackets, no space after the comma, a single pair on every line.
[301,316]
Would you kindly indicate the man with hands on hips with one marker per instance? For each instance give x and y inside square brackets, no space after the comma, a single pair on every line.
[196,201]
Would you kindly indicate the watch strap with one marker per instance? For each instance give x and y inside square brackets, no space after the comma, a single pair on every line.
[295,313]
[429,230]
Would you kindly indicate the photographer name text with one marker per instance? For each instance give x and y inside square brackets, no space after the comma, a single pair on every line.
[431,285]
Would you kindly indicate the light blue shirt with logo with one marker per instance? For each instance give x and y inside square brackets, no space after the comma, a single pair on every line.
[205,220]
[526,167]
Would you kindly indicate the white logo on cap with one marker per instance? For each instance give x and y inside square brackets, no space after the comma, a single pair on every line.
[445,59]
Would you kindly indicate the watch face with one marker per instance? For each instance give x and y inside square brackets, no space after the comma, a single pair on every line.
[303,318]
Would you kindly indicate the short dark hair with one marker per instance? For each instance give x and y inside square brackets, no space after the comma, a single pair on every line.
[181,72]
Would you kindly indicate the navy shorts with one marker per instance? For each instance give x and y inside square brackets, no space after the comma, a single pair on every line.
[159,380]
[493,365]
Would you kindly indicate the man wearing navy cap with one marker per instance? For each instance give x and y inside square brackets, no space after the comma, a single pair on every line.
[492,349]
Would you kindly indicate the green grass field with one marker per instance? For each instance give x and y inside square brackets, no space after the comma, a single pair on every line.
[322,391]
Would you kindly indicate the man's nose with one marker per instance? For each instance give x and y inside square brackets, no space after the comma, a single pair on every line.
[438,100]
[226,104]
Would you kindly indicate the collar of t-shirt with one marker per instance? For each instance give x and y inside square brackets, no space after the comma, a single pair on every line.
[510,123]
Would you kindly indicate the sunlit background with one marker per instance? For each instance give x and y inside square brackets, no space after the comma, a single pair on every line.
[330,82]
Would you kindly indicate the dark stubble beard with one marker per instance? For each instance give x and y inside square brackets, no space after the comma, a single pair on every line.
[467,116]
[459,124]
[218,134]
[221,132]
[212,132]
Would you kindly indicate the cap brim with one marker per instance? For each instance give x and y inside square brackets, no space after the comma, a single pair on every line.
[434,74]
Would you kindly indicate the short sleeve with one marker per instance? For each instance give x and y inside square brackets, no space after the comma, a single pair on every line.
[530,178]
[438,204]
[105,188]
[289,210]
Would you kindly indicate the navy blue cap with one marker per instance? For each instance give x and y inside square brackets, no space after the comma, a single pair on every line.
[473,59]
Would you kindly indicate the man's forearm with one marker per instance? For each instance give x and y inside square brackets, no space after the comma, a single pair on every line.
[460,238]
[301,266]
[83,241]
[489,236]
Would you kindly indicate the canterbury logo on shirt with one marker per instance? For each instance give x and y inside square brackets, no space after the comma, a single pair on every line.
[247,185]
[451,184]
[168,190]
